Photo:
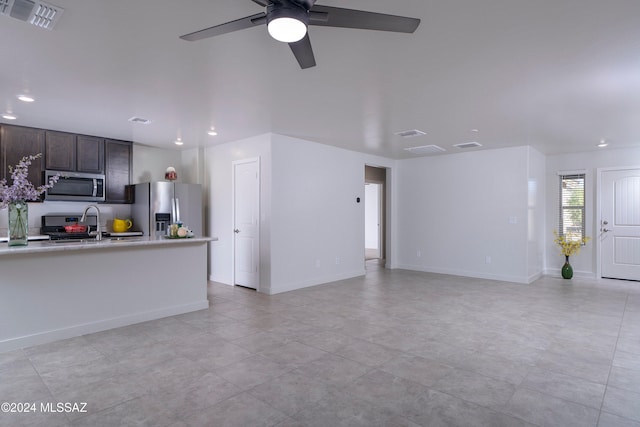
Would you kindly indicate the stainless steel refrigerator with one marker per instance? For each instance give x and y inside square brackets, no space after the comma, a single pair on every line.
[156,205]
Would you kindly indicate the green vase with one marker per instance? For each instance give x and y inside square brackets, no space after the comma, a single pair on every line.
[18,223]
[567,270]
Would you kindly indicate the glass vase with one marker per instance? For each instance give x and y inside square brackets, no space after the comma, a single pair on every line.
[18,223]
[567,270]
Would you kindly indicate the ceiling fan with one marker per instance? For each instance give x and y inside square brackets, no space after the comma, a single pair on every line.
[287,21]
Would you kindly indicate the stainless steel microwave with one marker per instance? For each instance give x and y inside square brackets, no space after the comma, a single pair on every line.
[75,187]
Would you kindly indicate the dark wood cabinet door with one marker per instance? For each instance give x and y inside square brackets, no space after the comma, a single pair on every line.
[17,142]
[60,150]
[89,154]
[118,156]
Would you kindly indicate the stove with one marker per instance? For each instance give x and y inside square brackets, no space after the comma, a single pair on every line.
[53,226]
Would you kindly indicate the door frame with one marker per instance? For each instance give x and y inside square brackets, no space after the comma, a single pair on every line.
[385,213]
[233,217]
[599,212]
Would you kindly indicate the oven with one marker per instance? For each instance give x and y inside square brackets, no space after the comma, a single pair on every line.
[53,226]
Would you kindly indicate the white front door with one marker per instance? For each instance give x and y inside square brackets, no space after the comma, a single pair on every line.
[246,215]
[620,224]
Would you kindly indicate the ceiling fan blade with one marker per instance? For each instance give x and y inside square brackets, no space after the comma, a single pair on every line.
[303,52]
[238,24]
[329,16]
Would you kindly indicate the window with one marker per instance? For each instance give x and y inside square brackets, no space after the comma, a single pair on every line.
[572,206]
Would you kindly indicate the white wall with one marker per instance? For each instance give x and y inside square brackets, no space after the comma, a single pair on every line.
[536,203]
[219,179]
[584,264]
[191,167]
[459,209]
[150,164]
[317,225]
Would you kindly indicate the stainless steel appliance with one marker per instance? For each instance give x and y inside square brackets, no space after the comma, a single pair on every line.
[75,186]
[53,226]
[156,205]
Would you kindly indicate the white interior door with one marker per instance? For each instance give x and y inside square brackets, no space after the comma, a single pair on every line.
[620,224]
[246,214]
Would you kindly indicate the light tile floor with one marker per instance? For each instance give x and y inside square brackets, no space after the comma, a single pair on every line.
[394,348]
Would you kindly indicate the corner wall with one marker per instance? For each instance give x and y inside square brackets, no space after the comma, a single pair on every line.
[536,204]
[466,214]
[317,224]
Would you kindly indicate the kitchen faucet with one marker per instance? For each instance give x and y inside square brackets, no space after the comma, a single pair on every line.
[99,228]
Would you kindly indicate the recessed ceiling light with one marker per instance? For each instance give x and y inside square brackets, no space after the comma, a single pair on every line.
[603,143]
[212,131]
[9,117]
[26,98]
[178,141]
[475,130]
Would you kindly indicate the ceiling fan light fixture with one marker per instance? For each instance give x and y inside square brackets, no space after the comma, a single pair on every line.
[287,23]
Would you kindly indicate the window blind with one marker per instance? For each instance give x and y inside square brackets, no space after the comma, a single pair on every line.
[571,215]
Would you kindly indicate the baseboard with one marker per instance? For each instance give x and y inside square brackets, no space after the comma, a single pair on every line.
[102,325]
[314,282]
[464,273]
[557,272]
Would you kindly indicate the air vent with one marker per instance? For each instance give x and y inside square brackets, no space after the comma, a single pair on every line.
[410,133]
[4,6]
[139,120]
[425,149]
[38,13]
[468,145]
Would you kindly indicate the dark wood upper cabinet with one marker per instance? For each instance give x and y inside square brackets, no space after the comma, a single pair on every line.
[74,153]
[60,151]
[118,158]
[17,142]
[90,154]
[68,152]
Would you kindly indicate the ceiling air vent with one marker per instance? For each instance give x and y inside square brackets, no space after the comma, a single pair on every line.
[425,149]
[410,133]
[4,6]
[468,145]
[140,120]
[35,12]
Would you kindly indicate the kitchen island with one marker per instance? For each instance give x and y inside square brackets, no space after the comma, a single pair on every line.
[53,290]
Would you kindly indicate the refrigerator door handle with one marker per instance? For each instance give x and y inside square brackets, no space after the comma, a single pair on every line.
[177,209]
[173,210]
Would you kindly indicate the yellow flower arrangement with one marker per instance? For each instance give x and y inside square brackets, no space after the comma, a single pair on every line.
[568,245]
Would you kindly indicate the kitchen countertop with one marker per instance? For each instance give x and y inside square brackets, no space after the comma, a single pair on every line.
[105,243]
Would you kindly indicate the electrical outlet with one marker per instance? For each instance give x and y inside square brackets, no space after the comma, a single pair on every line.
[487,259]
[337,260]
[317,263]
[418,253]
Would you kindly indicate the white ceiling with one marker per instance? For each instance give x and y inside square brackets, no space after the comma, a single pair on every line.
[557,74]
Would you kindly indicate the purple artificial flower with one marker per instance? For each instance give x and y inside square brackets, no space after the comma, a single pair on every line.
[21,189]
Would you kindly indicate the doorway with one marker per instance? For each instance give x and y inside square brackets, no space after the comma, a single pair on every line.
[246,224]
[619,223]
[375,214]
